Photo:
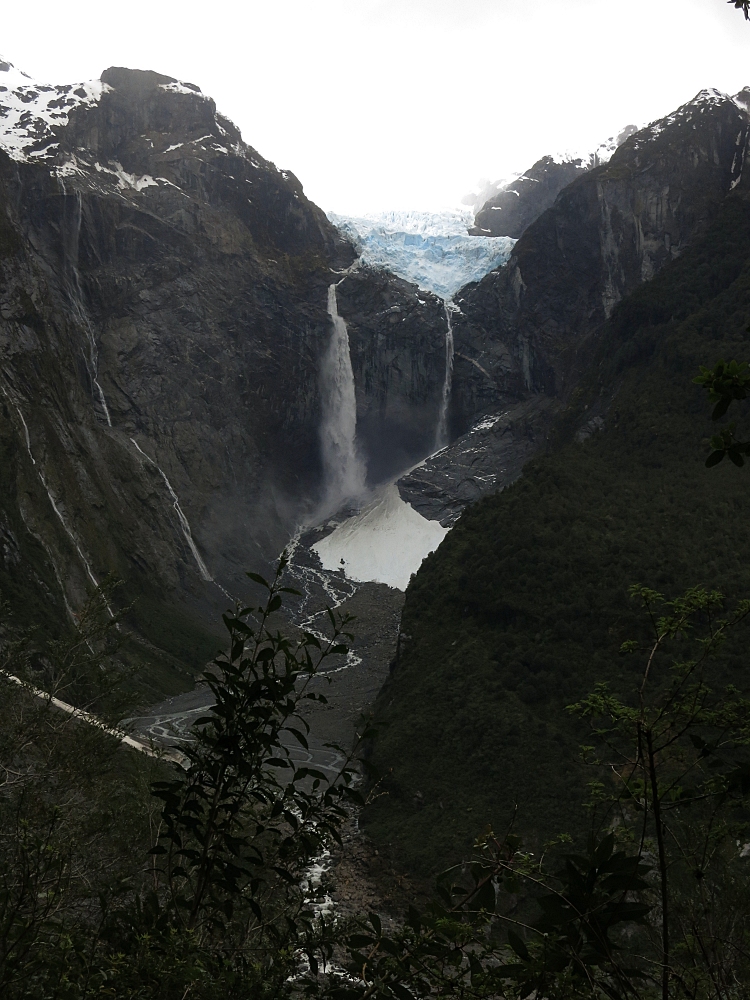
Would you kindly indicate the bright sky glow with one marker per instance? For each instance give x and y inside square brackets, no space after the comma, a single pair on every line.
[402,104]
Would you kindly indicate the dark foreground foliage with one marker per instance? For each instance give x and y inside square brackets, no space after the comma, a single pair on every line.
[125,874]
[128,875]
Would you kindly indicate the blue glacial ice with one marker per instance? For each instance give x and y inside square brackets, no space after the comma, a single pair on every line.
[433,250]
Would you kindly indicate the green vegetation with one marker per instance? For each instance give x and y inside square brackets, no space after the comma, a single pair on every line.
[523,608]
[105,893]
[124,875]
[657,904]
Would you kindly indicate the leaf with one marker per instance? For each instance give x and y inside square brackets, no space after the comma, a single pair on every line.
[603,852]
[518,946]
[285,874]
[259,579]
[401,991]
[298,736]
[714,458]
[721,408]
[360,941]
[485,898]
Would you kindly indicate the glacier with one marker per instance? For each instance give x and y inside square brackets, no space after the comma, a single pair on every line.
[431,249]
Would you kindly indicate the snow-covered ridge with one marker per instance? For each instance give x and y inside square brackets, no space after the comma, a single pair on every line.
[703,101]
[30,111]
[431,249]
[602,153]
[586,159]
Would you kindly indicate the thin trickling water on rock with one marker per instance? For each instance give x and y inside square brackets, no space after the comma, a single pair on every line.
[441,436]
[75,294]
[344,468]
[184,523]
[58,513]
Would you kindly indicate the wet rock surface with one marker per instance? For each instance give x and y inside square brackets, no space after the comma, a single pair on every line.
[485,460]
[397,343]
[163,314]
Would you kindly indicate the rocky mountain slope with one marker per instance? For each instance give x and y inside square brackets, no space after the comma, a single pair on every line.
[507,209]
[524,607]
[163,320]
[517,205]
[524,333]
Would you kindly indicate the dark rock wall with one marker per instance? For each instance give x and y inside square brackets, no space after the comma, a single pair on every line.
[523,328]
[511,211]
[397,343]
[199,273]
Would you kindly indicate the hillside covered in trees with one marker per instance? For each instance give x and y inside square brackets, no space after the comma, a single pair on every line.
[524,607]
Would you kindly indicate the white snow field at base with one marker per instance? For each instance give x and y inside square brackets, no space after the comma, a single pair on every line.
[385,543]
[433,250]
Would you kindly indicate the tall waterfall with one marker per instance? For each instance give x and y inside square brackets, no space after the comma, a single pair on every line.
[344,468]
[441,437]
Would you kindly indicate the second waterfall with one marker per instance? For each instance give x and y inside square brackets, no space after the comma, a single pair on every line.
[345,472]
[442,435]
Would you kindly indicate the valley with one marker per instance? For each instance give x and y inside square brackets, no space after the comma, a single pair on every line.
[470,431]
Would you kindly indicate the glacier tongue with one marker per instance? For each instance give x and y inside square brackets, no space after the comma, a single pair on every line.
[431,249]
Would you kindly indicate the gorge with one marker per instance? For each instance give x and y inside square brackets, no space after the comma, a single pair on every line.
[201,369]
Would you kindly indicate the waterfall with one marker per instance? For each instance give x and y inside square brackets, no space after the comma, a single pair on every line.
[184,523]
[344,469]
[441,436]
[75,294]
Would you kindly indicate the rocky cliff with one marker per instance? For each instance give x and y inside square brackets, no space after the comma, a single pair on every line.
[518,204]
[163,315]
[397,343]
[523,334]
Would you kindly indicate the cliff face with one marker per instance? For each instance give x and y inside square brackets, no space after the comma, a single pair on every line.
[163,315]
[523,335]
[512,210]
[397,342]
[523,608]
[522,328]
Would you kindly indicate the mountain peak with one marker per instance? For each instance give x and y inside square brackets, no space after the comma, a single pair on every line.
[742,100]
[144,80]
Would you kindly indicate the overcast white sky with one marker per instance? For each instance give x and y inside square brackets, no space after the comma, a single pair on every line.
[378,104]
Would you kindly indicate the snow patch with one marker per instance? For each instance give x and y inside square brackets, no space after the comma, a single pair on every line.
[31,111]
[686,114]
[127,180]
[178,87]
[385,543]
[486,423]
